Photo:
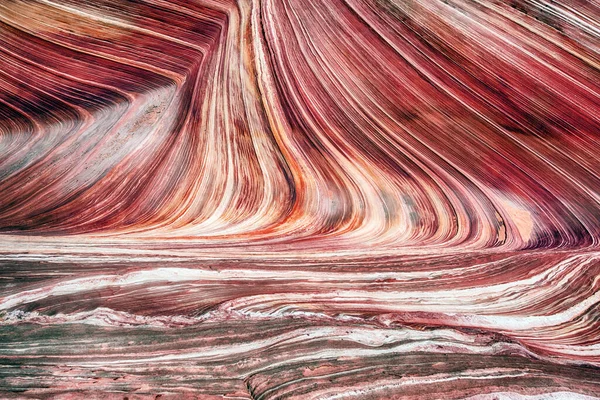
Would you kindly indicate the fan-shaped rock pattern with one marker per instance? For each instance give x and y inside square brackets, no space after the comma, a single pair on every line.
[268,199]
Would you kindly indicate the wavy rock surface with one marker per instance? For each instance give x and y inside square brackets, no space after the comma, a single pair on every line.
[325,199]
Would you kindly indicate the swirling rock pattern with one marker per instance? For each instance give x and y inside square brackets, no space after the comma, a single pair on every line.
[267,199]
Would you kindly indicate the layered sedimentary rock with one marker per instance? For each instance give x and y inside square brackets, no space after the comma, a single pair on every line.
[266,199]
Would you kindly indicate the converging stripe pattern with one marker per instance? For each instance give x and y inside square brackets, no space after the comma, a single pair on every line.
[293,199]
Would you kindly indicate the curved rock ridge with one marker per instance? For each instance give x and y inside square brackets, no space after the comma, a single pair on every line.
[292,199]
